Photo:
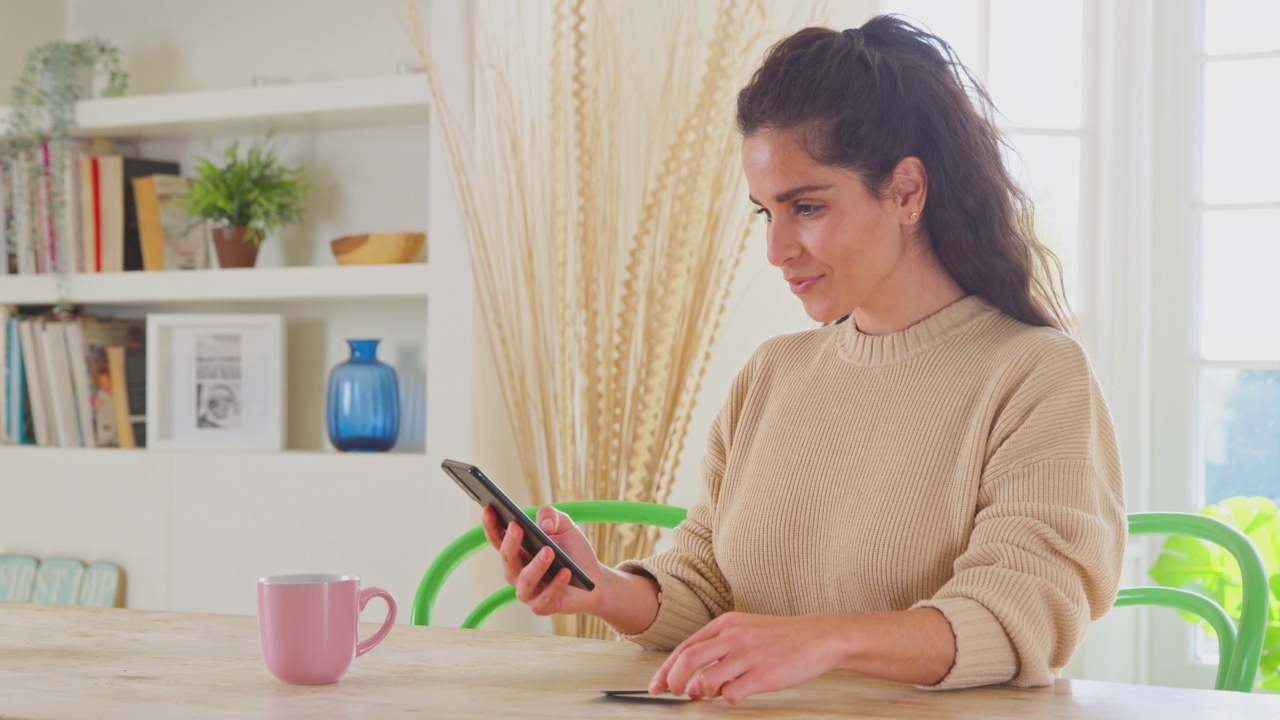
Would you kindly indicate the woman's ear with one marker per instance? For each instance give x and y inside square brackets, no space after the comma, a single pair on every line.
[910,188]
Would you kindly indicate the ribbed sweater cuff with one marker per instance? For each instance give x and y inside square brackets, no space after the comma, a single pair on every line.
[680,612]
[984,655]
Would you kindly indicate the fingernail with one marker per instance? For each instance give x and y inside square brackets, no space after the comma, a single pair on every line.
[547,525]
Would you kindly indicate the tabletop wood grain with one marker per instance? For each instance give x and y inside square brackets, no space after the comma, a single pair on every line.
[58,662]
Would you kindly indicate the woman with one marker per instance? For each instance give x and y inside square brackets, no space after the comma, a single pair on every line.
[927,492]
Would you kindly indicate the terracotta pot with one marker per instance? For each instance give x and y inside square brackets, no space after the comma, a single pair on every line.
[233,251]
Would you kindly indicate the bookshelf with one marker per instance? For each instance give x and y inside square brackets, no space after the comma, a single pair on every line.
[351,300]
[355,103]
[283,284]
[195,529]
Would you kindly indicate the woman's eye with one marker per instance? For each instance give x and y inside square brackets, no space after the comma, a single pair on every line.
[765,213]
[804,210]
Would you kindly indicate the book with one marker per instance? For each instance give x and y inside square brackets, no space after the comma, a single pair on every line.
[80,381]
[121,247]
[171,237]
[32,363]
[90,196]
[6,218]
[18,411]
[98,335]
[135,374]
[23,242]
[90,214]
[57,371]
[4,372]
[124,419]
[67,224]
[43,194]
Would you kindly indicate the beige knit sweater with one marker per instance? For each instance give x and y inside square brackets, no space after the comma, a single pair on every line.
[967,463]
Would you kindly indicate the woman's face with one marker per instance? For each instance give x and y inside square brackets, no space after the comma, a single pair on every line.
[838,246]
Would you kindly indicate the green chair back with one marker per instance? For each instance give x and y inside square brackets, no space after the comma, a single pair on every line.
[583,512]
[1239,644]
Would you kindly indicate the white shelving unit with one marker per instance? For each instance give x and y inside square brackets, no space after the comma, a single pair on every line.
[358,103]
[194,530]
[170,126]
[287,284]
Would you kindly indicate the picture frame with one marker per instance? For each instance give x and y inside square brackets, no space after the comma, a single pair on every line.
[215,381]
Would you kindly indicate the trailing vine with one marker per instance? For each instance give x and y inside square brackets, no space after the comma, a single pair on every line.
[55,76]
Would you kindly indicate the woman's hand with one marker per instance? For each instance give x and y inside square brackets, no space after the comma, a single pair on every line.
[740,655]
[525,574]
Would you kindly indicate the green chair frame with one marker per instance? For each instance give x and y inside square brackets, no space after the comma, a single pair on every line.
[583,512]
[1240,645]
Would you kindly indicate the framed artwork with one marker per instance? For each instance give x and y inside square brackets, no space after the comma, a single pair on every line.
[215,382]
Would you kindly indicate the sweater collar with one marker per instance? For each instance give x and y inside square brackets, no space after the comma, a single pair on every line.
[872,350]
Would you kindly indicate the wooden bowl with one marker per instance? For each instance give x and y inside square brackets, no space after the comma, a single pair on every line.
[379,248]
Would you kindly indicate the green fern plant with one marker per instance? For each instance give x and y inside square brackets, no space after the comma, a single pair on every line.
[254,190]
[1206,568]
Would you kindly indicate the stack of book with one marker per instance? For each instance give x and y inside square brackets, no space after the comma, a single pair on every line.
[103,210]
[72,380]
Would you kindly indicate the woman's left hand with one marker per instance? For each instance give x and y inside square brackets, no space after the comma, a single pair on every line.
[741,654]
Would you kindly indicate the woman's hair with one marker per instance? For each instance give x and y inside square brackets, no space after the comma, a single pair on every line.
[866,98]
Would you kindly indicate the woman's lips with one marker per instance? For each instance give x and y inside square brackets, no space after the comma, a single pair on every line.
[801,285]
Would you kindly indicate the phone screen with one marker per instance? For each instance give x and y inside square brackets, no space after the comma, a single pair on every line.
[484,491]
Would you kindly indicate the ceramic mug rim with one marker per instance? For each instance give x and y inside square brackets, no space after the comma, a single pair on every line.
[307,579]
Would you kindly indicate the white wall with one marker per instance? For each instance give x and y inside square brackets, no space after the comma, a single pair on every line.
[24,24]
[171,45]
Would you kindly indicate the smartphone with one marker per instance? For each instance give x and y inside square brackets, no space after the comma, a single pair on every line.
[475,483]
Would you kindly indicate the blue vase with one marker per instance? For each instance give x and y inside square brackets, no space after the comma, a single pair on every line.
[364,401]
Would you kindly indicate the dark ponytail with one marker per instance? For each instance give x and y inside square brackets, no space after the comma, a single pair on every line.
[864,99]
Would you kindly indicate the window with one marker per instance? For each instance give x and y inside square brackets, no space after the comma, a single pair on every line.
[1238,344]
[1029,54]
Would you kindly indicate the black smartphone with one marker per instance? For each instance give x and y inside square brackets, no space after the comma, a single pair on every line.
[475,483]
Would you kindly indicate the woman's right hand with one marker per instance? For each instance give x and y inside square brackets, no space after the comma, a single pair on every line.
[526,574]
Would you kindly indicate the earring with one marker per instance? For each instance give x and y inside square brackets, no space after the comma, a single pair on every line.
[915,215]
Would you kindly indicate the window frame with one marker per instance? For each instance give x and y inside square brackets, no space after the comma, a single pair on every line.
[1138,290]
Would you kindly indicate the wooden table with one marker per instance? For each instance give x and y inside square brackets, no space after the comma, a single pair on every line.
[72,662]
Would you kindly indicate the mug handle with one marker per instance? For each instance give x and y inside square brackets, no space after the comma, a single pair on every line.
[366,595]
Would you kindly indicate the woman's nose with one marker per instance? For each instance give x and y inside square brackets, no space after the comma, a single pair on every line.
[781,245]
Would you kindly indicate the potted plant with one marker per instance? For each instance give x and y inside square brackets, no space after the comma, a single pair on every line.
[245,197]
[1210,570]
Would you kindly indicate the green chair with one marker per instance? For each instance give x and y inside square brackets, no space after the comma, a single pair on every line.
[583,512]
[1240,645]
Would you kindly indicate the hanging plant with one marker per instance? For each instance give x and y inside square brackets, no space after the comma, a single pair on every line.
[55,76]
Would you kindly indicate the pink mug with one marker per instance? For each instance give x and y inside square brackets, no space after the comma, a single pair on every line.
[308,625]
